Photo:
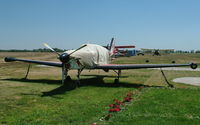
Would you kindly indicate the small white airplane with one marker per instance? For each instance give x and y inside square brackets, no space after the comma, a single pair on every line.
[92,56]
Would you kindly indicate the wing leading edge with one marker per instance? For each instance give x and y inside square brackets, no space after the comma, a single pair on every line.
[107,66]
[56,64]
[140,66]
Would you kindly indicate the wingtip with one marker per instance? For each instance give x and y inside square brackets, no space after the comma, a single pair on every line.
[193,65]
[8,59]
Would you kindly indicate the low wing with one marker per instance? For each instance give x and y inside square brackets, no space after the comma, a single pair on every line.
[140,66]
[56,64]
[106,67]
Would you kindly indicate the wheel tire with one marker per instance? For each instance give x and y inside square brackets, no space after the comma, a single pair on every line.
[70,84]
[78,83]
[68,78]
[116,81]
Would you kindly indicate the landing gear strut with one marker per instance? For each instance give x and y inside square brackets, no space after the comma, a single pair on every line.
[66,79]
[118,75]
[29,66]
[77,82]
[169,85]
[65,76]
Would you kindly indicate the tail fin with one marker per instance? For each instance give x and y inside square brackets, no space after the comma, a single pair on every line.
[112,47]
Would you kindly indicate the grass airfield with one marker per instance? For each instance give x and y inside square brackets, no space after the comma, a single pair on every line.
[42,100]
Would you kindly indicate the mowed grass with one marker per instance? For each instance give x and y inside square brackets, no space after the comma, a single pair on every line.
[162,106]
[43,100]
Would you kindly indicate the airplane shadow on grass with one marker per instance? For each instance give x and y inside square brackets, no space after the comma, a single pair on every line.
[94,81]
[42,81]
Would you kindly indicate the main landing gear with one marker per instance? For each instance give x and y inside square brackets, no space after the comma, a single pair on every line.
[118,75]
[29,66]
[169,85]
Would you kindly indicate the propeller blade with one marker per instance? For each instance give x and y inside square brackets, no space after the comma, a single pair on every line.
[78,49]
[46,45]
[111,42]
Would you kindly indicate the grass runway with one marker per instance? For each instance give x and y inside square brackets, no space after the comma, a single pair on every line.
[42,100]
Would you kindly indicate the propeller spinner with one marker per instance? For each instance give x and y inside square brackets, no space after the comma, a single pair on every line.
[64,57]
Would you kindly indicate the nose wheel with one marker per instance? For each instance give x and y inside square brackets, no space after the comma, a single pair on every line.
[68,78]
[116,81]
[69,83]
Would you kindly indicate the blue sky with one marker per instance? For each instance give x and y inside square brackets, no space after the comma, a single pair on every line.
[66,24]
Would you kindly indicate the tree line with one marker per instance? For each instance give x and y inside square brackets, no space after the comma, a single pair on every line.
[33,50]
[192,51]
[62,50]
[168,51]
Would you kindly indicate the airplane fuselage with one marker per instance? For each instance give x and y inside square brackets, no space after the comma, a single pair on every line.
[89,57]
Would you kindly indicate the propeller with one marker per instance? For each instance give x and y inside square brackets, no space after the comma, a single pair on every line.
[46,45]
[111,42]
[64,58]
[78,49]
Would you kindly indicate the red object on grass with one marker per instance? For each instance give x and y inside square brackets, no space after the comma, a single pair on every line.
[117,106]
[127,99]
[114,110]
[111,105]
[118,102]
[114,106]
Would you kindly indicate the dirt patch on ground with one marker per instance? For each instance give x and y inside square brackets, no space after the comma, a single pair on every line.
[188,80]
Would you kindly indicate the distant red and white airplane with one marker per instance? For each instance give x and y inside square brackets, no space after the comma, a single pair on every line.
[92,56]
